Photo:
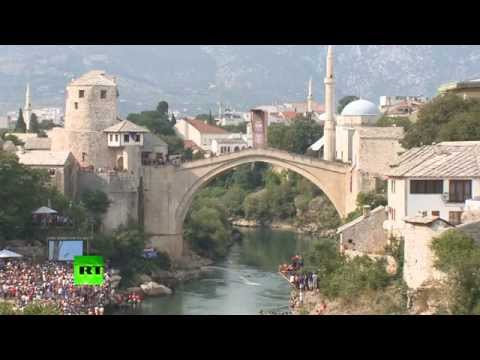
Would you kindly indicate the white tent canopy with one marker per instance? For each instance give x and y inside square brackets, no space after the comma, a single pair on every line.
[44,211]
[5,254]
[318,144]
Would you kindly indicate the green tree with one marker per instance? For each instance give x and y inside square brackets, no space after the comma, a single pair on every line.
[97,204]
[22,191]
[15,140]
[372,198]
[345,101]
[157,121]
[386,121]
[20,126]
[462,127]
[207,228]
[445,117]
[162,108]
[47,125]
[296,137]
[459,257]
[34,125]
[257,207]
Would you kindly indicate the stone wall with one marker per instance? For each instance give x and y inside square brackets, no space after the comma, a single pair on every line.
[418,267]
[122,191]
[92,143]
[366,234]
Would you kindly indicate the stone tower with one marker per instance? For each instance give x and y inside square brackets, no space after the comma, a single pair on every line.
[329,128]
[91,107]
[310,97]
[27,111]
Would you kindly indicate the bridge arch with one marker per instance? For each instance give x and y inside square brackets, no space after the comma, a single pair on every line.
[304,171]
[170,190]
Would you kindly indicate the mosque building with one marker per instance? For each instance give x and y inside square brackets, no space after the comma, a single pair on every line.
[352,137]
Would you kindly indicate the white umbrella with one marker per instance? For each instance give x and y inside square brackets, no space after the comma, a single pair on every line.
[5,254]
[44,211]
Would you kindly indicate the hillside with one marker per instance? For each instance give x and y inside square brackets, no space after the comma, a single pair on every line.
[194,78]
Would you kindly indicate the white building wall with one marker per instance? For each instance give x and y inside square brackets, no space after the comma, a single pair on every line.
[435,202]
[419,259]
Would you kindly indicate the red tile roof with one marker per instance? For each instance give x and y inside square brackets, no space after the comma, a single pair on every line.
[189,144]
[205,128]
[289,115]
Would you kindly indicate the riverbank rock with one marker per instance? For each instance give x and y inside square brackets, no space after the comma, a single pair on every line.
[115,281]
[143,278]
[136,290]
[245,223]
[153,289]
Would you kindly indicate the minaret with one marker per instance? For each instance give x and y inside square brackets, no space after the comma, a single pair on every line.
[310,97]
[27,111]
[329,127]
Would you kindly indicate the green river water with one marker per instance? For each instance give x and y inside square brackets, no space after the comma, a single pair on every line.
[245,283]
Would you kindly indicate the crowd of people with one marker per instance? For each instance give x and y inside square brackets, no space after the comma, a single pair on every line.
[25,283]
[299,279]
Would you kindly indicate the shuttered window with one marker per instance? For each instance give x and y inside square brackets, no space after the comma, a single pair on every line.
[426,186]
[455,217]
[460,190]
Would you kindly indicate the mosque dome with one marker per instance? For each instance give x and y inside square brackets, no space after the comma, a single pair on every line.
[360,108]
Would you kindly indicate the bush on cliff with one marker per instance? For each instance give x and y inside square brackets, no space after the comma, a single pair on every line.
[124,249]
[459,257]
[343,278]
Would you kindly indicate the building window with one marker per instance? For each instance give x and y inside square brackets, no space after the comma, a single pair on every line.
[81,93]
[460,190]
[455,217]
[436,213]
[51,172]
[126,138]
[426,186]
[83,156]
[76,106]
[111,137]
[137,137]
[393,186]
[116,137]
[103,94]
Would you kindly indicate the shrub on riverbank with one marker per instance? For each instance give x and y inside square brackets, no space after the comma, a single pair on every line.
[459,257]
[124,249]
[349,280]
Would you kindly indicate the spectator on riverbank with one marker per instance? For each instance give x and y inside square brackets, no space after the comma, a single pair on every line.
[52,283]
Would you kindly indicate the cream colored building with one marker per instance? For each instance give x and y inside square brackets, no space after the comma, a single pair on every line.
[225,146]
[434,180]
[200,132]
[61,166]
[419,258]
[469,89]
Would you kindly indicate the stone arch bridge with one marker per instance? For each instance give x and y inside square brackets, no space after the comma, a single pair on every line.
[168,191]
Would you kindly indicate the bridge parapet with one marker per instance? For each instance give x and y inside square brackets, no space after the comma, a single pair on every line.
[270,153]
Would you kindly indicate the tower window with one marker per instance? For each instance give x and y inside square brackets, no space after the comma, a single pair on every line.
[81,93]
[137,138]
[103,94]
[76,106]
[126,138]
[111,137]
[116,137]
